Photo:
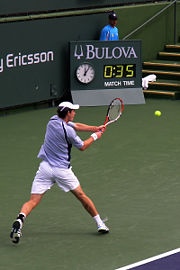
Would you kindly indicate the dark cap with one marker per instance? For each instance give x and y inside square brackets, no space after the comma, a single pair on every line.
[112,16]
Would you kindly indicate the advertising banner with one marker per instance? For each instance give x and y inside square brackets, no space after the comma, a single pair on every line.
[34,57]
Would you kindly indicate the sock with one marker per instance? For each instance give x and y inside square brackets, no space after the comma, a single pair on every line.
[21,216]
[98,220]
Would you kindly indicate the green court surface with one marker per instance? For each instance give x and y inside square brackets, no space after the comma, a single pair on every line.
[132,174]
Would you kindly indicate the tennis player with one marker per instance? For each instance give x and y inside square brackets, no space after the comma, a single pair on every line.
[55,166]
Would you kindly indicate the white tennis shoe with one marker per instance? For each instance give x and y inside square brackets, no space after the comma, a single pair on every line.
[16,231]
[103,228]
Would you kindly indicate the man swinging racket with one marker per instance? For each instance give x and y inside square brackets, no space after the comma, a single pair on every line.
[55,166]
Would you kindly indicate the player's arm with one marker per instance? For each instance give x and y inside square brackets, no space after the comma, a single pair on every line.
[87,143]
[83,127]
[76,141]
[91,139]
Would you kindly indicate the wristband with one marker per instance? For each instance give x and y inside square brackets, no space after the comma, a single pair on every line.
[94,135]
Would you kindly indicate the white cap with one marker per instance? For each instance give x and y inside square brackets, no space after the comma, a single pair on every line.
[67,104]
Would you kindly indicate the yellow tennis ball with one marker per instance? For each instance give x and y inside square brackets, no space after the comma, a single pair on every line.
[157,113]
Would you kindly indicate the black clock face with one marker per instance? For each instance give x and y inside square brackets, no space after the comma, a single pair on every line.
[85,73]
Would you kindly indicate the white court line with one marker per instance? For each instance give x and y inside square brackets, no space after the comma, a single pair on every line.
[149,260]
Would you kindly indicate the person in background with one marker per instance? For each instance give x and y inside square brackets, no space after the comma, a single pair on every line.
[110,31]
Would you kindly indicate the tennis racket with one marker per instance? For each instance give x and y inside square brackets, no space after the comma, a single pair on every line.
[114,111]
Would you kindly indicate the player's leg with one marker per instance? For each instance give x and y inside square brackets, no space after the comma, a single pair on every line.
[43,181]
[67,181]
[31,204]
[90,208]
[25,211]
[85,200]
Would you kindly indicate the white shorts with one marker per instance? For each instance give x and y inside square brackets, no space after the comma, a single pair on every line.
[47,176]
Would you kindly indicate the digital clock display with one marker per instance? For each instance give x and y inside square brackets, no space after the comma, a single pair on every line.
[120,71]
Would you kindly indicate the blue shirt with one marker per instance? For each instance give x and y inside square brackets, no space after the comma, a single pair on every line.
[109,33]
[58,142]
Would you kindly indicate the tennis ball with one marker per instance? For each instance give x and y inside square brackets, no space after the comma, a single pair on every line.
[157,113]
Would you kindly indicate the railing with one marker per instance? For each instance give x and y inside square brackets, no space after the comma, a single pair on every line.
[156,15]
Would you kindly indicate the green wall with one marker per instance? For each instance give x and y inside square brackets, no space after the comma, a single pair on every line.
[155,34]
[33,82]
[49,80]
[21,6]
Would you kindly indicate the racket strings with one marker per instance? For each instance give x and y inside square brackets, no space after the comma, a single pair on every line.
[115,110]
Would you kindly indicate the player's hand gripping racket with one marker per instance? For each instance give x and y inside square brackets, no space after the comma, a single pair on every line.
[114,111]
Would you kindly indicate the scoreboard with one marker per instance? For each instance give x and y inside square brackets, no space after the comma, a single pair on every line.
[102,70]
[119,71]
